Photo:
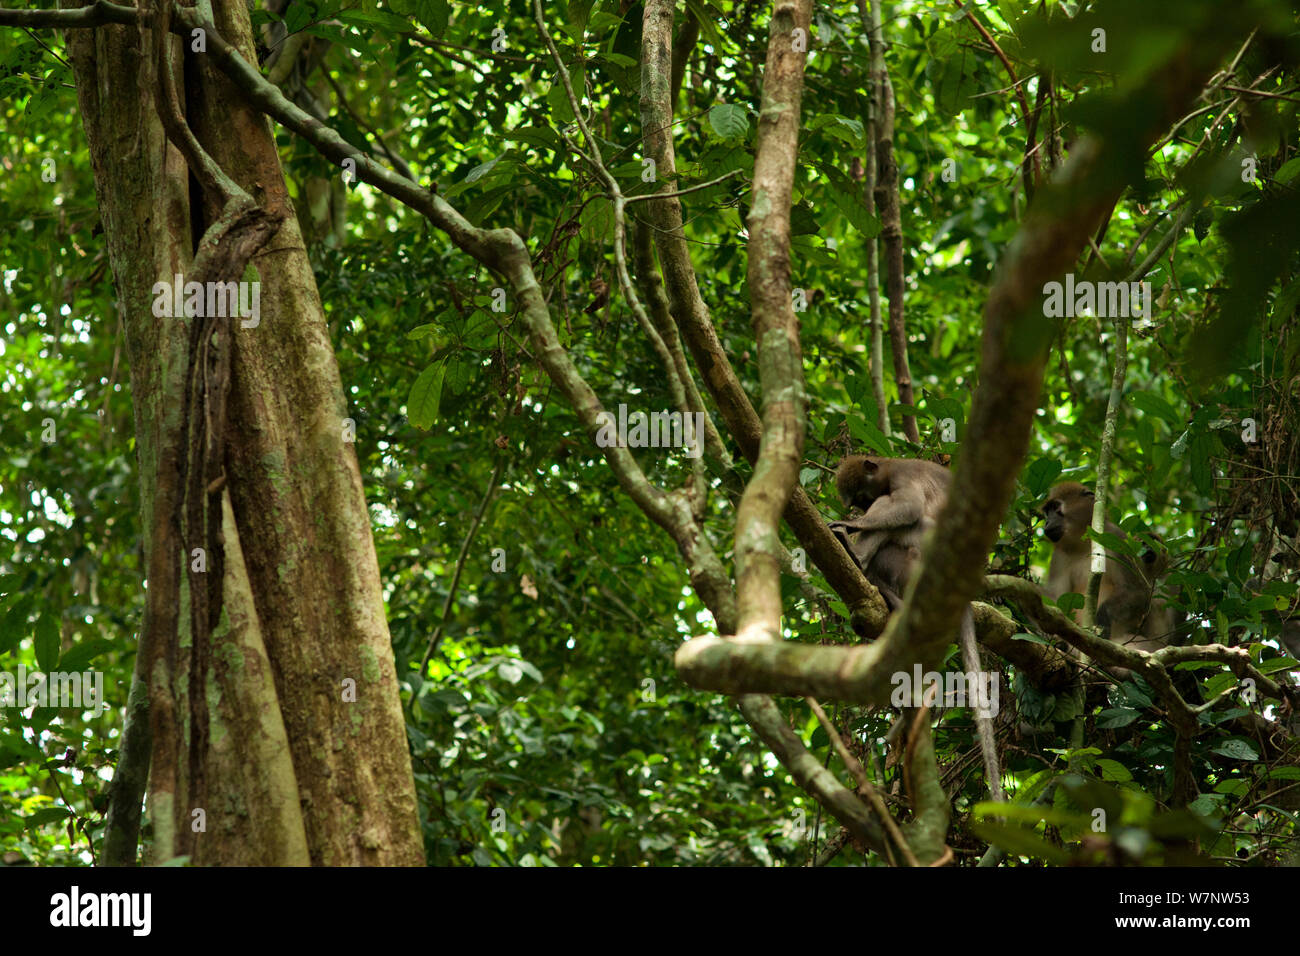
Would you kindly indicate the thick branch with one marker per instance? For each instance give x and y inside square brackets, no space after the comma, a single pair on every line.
[891,218]
[1016,339]
[867,609]
[776,328]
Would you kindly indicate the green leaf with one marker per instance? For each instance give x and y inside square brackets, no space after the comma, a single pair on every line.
[337,33]
[1114,717]
[803,221]
[1179,448]
[602,21]
[729,121]
[481,170]
[49,815]
[954,87]
[510,672]
[481,331]
[1020,841]
[460,374]
[1031,639]
[297,16]
[433,14]
[597,221]
[848,130]
[530,670]
[14,626]
[869,434]
[1288,171]
[1202,468]
[618,59]
[535,136]
[375,20]
[708,17]
[847,197]
[426,394]
[1041,474]
[1236,749]
[1153,404]
[1114,771]
[579,13]
[46,641]
[1113,542]
[79,655]
[428,330]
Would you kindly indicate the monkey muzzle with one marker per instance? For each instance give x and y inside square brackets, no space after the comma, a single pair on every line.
[1054,528]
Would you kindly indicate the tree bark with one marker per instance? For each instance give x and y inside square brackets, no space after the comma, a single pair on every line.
[891,218]
[297,770]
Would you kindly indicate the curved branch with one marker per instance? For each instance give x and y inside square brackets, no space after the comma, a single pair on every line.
[776,328]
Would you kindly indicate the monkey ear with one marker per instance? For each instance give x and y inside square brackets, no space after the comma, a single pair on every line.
[1088,493]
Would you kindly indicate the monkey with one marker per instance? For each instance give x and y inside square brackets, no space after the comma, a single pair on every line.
[902,497]
[1127,612]
[599,295]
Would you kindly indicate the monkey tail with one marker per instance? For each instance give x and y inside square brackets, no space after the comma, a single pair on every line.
[983,720]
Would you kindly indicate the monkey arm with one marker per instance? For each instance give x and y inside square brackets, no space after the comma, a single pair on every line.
[1121,617]
[862,536]
[899,509]
[862,545]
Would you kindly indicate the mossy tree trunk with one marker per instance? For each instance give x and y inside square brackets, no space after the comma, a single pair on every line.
[295,766]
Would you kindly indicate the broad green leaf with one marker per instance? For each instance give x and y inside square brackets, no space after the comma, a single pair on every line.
[46,641]
[729,121]
[14,626]
[374,19]
[481,170]
[1236,749]
[1020,841]
[619,59]
[426,395]
[48,815]
[1116,717]
[433,14]
[1153,404]
[79,655]
[1041,475]
[428,330]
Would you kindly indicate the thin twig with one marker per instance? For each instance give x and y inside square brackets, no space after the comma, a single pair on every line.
[438,631]
[865,787]
[628,200]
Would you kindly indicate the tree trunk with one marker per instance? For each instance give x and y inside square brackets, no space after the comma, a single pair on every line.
[296,767]
[891,219]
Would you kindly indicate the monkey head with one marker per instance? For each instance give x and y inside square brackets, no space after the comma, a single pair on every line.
[1068,511]
[860,480]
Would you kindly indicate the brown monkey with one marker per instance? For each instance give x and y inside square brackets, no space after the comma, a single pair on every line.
[902,497]
[1126,612]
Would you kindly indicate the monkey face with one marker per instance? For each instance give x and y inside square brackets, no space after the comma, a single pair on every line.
[860,481]
[1054,525]
[1068,497]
